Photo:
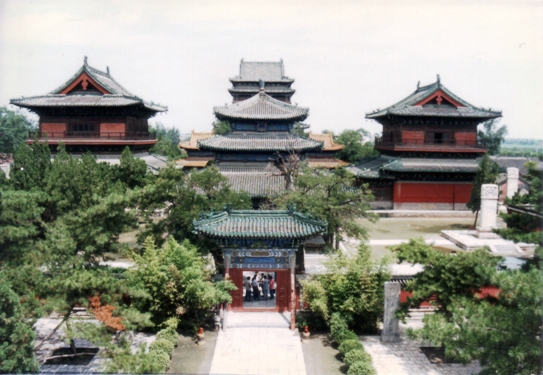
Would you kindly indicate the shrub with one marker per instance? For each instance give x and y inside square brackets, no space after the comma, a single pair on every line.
[348,345]
[162,345]
[361,368]
[168,334]
[356,355]
[161,359]
[338,327]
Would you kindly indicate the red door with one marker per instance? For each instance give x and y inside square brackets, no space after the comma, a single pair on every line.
[282,291]
[236,275]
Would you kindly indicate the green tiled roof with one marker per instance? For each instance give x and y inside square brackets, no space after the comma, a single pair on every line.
[432,165]
[261,107]
[259,142]
[254,224]
[407,107]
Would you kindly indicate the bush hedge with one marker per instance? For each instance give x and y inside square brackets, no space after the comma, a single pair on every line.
[160,358]
[168,334]
[348,345]
[356,355]
[162,344]
[361,368]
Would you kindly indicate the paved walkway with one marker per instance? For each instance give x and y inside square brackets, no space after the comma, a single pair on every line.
[258,343]
[406,358]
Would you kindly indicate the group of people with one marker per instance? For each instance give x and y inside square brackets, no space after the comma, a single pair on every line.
[262,281]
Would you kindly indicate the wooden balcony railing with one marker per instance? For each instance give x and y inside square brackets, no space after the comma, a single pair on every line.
[428,143]
[102,136]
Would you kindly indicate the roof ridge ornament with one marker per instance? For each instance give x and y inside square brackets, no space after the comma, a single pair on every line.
[85,60]
[438,79]
[227,208]
[107,70]
[291,208]
[418,84]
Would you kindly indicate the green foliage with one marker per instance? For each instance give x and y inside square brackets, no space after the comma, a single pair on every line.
[31,165]
[183,197]
[163,345]
[445,276]
[14,127]
[502,333]
[169,334]
[350,344]
[332,197]
[121,359]
[355,148]
[173,282]
[487,173]
[16,335]
[356,355]
[361,368]
[351,292]
[168,141]
[221,127]
[131,171]
[492,135]
[161,359]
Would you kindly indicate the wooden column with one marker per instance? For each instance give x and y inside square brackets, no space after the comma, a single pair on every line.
[227,274]
[292,262]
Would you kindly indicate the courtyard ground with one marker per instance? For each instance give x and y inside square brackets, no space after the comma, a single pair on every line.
[189,358]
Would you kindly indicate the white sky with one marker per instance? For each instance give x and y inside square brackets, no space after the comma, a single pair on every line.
[348,57]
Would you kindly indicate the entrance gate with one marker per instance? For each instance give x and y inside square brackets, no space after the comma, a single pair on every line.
[263,241]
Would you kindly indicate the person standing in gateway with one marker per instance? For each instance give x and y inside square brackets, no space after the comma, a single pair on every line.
[247,284]
[272,286]
[265,287]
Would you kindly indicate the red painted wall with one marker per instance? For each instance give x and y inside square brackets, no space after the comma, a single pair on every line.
[53,127]
[428,192]
[413,136]
[112,127]
[468,137]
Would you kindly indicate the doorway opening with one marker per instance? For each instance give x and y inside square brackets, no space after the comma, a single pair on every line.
[259,289]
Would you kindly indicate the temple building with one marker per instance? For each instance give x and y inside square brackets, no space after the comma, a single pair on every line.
[93,112]
[261,244]
[429,151]
[261,124]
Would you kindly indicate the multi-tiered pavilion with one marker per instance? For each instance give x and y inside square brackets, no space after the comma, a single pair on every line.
[429,151]
[93,112]
[262,120]
[261,241]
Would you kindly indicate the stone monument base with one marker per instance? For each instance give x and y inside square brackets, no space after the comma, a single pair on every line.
[486,233]
[390,338]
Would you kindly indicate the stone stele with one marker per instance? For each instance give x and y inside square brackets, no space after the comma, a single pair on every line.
[391,325]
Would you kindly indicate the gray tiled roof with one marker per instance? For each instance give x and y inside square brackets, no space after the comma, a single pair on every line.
[261,107]
[259,70]
[255,181]
[407,107]
[432,165]
[118,97]
[259,142]
[370,168]
[258,224]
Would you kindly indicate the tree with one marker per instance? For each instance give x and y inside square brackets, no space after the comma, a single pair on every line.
[355,148]
[299,129]
[331,196]
[502,332]
[168,141]
[30,166]
[16,335]
[183,197]
[492,135]
[14,128]
[131,171]
[487,173]
[174,282]
[353,287]
[221,127]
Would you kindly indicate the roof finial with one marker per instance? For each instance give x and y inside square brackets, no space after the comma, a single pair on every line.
[262,84]
[107,70]
[438,79]
[85,60]
[418,85]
